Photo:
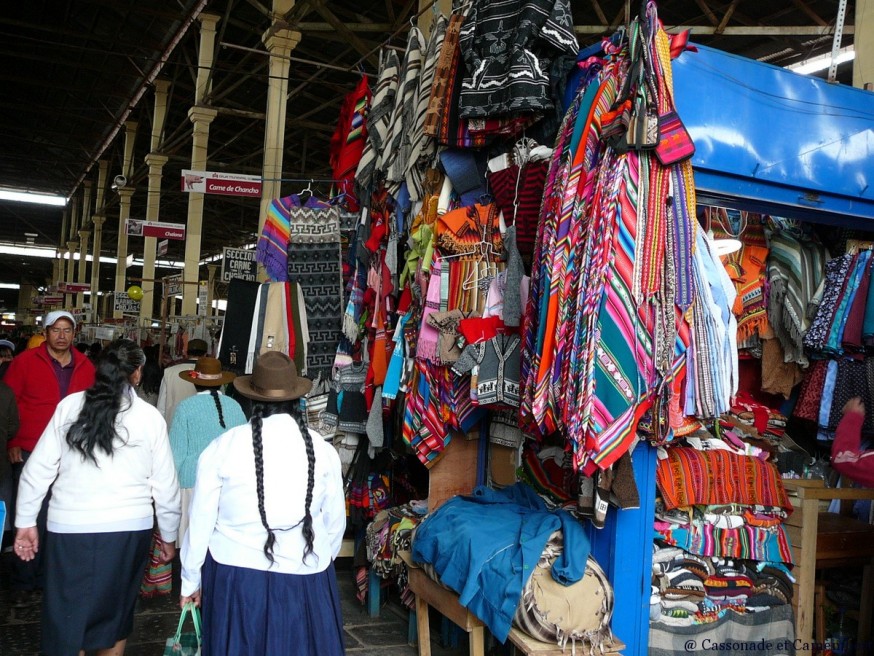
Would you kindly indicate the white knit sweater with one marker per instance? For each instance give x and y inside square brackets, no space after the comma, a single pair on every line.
[116,494]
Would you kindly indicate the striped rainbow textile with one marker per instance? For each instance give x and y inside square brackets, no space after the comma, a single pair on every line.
[606,329]
[747,542]
[688,477]
[272,247]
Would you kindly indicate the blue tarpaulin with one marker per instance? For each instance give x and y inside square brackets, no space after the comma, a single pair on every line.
[774,141]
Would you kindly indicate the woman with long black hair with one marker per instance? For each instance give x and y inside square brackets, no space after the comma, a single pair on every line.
[150,384]
[107,456]
[267,521]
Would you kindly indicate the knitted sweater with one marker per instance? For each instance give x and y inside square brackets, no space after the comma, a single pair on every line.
[499,362]
[195,425]
[121,492]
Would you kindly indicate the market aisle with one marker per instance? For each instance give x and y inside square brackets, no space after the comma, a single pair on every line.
[156,620]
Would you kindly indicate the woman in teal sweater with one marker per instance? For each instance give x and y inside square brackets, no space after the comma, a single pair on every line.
[198,420]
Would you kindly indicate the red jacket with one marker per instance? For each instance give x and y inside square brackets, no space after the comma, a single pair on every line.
[847,455]
[31,376]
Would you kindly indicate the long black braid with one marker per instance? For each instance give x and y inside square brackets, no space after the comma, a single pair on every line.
[218,406]
[299,415]
[260,410]
[257,422]
[215,396]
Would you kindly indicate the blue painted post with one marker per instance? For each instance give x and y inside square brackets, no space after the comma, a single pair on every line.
[624,549]
[412,628]
[374,591]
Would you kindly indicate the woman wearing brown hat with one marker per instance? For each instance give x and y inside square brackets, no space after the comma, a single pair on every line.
[197,421]
[267,520]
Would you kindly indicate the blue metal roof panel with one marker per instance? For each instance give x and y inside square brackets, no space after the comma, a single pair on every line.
[789,144]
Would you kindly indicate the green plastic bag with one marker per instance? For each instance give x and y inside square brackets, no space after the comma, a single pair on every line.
[185,643]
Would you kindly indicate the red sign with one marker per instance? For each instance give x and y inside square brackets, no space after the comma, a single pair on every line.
[50,300]
[223,184]
[164,230]
[73,287]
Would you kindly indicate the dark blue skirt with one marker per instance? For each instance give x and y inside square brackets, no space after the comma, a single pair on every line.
[91,586]
[249,612]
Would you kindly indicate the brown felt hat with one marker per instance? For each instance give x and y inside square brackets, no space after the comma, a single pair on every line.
[273,379]
[208,373]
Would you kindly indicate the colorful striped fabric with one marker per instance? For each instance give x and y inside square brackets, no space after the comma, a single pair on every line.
[608,322]
[272,247]
[158,578]
[348,140]
[688,477]
[747,542]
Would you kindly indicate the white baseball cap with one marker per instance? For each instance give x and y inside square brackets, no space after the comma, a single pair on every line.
[53,316]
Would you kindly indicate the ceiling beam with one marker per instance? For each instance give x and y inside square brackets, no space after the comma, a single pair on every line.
[359,45]
[803,6]
[702,5]
[600,12]
[727,16]
[377,28]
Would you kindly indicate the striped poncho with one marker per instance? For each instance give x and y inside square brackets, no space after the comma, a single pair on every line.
[795,269]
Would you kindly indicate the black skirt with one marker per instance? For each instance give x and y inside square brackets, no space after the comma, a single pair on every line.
[92,581]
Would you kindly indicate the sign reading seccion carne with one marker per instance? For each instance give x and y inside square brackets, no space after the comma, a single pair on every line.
[124,303]
[224,184]
[239,263]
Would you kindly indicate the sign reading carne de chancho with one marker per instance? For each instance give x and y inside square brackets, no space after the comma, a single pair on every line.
[223,184]
[239,263]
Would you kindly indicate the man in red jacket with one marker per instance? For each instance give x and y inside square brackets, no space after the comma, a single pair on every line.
[40,377]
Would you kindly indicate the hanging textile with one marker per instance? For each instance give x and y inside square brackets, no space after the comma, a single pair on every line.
[607,327]
[514,50]
[237,327]
[314,264]
[796,265]
[747,269]
[366,176]
[396,151]
[349,138]
[423,146]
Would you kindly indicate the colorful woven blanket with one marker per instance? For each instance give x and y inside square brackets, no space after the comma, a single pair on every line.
[689,477]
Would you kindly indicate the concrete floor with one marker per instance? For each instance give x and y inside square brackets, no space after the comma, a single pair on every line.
[156,620]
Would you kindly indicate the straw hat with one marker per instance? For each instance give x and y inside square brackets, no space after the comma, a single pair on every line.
[207,372]
[273,379]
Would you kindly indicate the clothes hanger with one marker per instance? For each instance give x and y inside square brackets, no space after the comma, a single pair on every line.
[305,193]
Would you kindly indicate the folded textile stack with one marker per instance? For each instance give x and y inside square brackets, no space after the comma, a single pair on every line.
[720,542]
[688,589]
[387,536]
[767,423]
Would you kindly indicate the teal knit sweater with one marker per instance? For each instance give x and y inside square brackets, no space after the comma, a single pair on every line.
[195,425]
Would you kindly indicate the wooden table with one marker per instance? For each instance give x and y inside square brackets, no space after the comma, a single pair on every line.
[430,594]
